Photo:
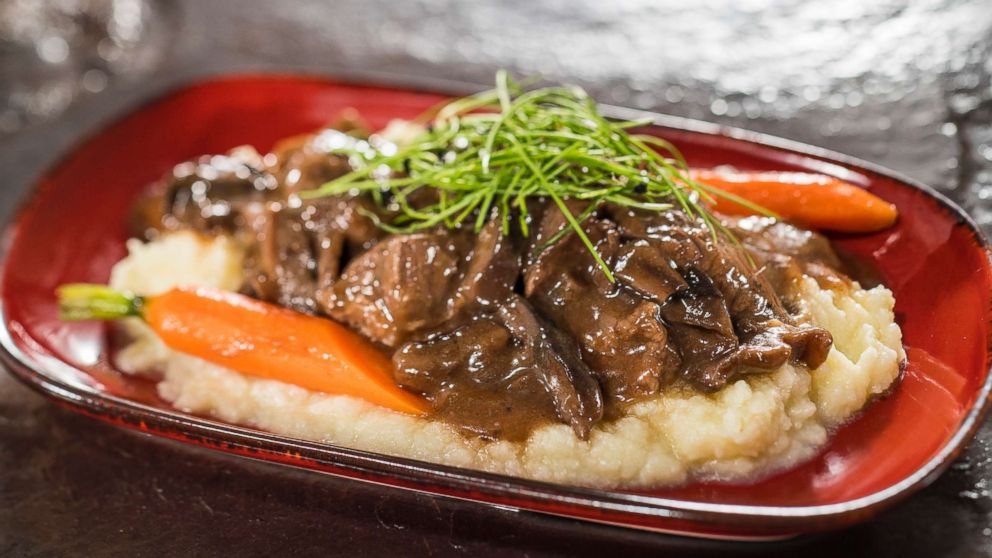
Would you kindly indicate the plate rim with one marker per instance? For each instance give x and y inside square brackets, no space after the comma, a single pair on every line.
[739,517]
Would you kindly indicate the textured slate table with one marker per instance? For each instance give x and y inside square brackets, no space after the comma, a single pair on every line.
[907,87]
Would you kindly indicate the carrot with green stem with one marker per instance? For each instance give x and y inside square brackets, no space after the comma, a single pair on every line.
[814,200]
[254,338]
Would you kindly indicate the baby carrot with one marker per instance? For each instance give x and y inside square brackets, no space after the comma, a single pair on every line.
[254,338]
[814,200]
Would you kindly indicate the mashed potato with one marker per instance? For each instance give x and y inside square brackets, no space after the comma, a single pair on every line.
[749,428]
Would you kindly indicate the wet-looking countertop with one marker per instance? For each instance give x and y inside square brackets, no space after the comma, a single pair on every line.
[903,84]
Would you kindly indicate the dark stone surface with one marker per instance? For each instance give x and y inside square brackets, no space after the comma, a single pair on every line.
[904,86]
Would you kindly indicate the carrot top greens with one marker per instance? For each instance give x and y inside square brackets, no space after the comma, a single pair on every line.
[487,153]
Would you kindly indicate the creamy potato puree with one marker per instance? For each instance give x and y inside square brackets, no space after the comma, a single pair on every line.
[751,427]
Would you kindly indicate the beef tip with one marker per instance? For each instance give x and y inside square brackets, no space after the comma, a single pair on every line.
[281,266]
[630,348]
[784,253]
[701,327]
[295,253]
[713,361]
[543,257]
[563,374]
[651,276]
[727,319]
[689,248]
[308,161]
[491,270]
[401,286]
[810,345]
[277,265]
[297,247]
[620,334]
[482,349]
[700,305]
[502,374]
[476,381]
[348,216]
[210,194]
[408,285]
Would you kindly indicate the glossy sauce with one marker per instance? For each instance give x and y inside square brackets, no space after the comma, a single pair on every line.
[499,332]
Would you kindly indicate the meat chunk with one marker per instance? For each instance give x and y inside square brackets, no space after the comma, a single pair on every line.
[491,270]
[785,253]
[295,255]
[210,194]
[620,334]
[503,373]
[400,287]
[308,161]
[684,305]
[643,270]
[409,284]
[281,266]
[727,319]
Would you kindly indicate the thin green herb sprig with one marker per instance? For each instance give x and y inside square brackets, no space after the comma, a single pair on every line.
[490,152]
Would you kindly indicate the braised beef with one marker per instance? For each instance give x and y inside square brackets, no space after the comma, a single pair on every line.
[785,252]
[297,253]
[683,305]
[401,286]
[299,246]
[502,373]
[727,320]
[409,284]
[210,194]
[620,334]
[507,332]
[308,161]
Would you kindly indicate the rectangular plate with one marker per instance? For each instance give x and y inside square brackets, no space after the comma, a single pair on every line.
[73,229]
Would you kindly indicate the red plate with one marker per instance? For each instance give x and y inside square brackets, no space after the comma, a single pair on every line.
[936,261]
